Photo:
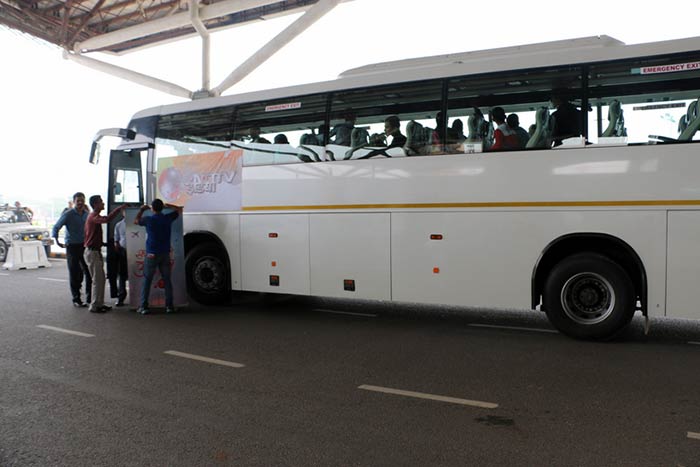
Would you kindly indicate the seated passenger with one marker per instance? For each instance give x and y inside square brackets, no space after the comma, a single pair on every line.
[392,127]
[321,135]
[565,121]
[281,139]
[441,129]
[514,124]
[342,132]
[255,136]
[22,214]
[458,131]
[504,137]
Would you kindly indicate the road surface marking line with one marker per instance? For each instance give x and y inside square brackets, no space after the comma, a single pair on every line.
[65,331]
[203,359]
[514,328]
[4,273]
[694,343]
[692,435]
[421,395]
[53,280]
[334,312]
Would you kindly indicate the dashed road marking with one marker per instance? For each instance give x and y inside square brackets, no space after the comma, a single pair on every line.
[336,312]
[421,395]
[65,331]
[692,435]
[215,361]
[52,280]
[4,273]
[694,343]
[513,328]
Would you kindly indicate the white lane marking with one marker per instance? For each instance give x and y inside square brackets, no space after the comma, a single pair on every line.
[65,331]
[692,435]
[694,343]
[514,328]
[335,312]
[53,280]
[421,395]
[204,359]
[4,273]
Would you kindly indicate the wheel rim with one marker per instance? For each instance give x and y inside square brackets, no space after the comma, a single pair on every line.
[3,250]
[208,274]
[588,298]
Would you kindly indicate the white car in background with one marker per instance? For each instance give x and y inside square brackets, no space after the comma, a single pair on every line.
[12,232]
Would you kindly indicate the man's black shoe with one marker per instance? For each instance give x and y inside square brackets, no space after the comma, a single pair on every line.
[119,303]
[79,304]
[104,308]
[96,310]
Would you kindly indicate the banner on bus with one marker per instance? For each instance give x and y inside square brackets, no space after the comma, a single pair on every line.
[136,256]
[202,182]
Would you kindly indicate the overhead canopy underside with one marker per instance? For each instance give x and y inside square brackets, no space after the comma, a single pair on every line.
[72,24]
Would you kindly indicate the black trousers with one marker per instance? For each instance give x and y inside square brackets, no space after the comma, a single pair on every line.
[77,270]
[122,273]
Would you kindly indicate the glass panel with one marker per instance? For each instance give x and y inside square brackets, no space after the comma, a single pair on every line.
[197,132]
[127,186]
[645,101]
[509,111]
[282,131]
[387,121]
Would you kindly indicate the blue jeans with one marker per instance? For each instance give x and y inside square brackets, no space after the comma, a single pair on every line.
[162,262]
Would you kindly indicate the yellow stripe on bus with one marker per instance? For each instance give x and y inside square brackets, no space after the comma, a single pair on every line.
[515,204]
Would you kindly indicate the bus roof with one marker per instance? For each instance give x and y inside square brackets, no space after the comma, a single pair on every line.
[585,50]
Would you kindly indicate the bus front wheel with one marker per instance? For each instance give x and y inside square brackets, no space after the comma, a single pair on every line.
[207,275]
[589,296]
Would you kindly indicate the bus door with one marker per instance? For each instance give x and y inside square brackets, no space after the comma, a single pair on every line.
[125,187]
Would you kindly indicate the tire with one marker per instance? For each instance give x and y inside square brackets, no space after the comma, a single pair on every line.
[3,251]
[589,296]
[207,275]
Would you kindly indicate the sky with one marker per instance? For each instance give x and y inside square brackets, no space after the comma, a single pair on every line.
[52,107]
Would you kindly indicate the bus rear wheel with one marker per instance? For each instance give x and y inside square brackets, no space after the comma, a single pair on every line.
[3,251]
[589,296]
[207,275]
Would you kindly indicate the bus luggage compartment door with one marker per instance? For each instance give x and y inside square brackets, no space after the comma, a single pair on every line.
[275,253]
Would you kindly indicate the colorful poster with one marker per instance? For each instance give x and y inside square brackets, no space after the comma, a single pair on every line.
[202,182]
[136,255]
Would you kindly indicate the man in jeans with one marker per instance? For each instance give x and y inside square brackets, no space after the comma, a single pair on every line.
[158,227]
[73,220]
[93,251]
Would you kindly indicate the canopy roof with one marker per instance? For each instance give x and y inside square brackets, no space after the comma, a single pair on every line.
[71,24]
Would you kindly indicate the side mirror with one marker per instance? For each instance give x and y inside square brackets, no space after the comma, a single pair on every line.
[95,153]
[117,189]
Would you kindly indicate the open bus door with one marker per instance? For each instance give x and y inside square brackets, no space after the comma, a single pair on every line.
[125,185]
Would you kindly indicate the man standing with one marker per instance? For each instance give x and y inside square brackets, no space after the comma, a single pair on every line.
[120,250]
[93,251]
[158,227]
[74,221]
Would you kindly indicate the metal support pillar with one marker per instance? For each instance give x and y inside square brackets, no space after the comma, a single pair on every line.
[312,15]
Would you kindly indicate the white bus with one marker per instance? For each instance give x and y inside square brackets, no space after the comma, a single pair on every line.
[299,191]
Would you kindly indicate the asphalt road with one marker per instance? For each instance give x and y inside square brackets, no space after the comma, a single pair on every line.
[318,382]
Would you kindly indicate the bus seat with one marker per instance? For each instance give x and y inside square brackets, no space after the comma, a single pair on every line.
[359,137]
[614,119]
[539,137]
[416,140]
[474,126]
[693,118]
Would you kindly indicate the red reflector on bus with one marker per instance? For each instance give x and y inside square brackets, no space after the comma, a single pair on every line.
[436,236]
[275,280]
[274,264]
[349,285]
[436,270]
[272,235]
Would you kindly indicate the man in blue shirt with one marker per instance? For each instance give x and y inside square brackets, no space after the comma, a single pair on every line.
[158,227]
[74,222]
